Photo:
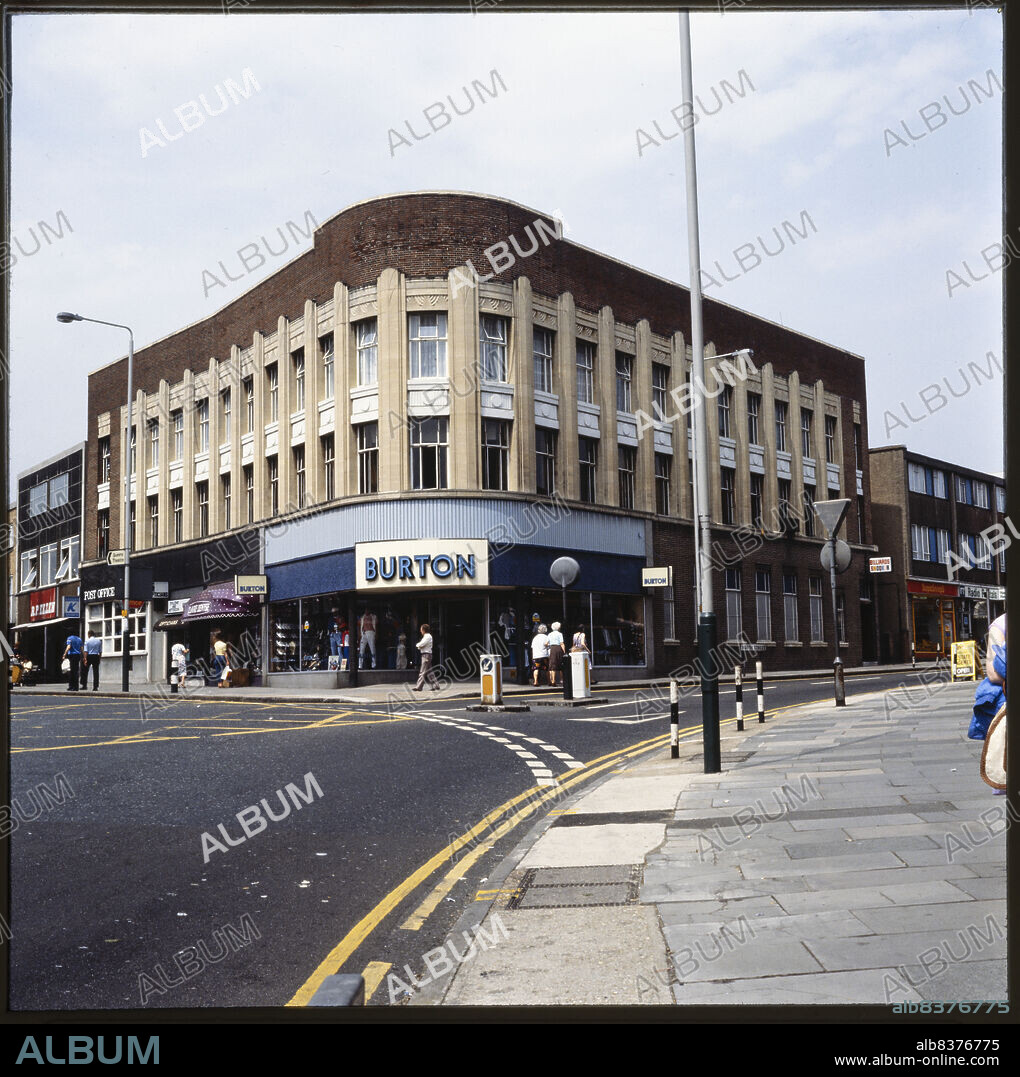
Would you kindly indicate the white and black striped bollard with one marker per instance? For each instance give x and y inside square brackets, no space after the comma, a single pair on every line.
[761,692]
[674,720]
[738,681]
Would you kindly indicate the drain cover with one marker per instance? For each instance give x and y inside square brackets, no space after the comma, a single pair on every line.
[573,888]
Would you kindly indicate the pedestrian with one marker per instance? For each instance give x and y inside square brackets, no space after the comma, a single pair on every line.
[580,640]
[556,644]
[91,660]
[993,758]
[540,653]
[220,662]
[179,660]
[995,654]
[72,653]
[424,646]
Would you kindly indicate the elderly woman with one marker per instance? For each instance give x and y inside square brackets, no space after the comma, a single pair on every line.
[555,652]
[540,653]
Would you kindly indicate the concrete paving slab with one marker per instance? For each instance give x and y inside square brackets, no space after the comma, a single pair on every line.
[940,916]
[613,843]
[632,792]
[904,948]
[715,957]
[966,980]
[823,988]
[549,958]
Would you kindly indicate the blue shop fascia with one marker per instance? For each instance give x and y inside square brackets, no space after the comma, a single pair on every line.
[357,581]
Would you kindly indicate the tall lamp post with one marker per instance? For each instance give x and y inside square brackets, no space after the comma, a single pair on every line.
[64,316]
[835,557]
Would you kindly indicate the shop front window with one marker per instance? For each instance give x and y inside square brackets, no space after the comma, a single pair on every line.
[104,619]
[614,625]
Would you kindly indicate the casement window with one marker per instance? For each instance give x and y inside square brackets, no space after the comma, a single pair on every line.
[297,361]
[225,416]
[660,390]
[815,607]
[67,569]
[225,495]
[249,405]
[493,338]
[780,426]
[1000,498]
[154,443]
[328,443]
[725,406]
[830,439]
[368,458]
[858,447]
[791,626]
[919,544]
[753,412]
[663,470]
[763,601]
[624,376]
[786,516]
[588,459]
[542,354]
[757,498]
[249,492]
[964,490]
[102,534]
[627,465]
[328,367]
[495,454]
[273,469]
[939,485]
[131,526]
[727,487]
[202,425]
[806,419]
[202,500]
[981,495]
[154,521]
[367,343]
[29,568]
[104,459]
[133,451]
[944,544]
[177,511]
[273,391]
[429,445]
[545,461]
[734,622]
[177,421]
[298,454]
[810,495]
[585,372]
[427,339]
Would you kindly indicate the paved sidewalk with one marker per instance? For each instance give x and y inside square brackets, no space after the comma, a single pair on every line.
[400,694]
[844,855]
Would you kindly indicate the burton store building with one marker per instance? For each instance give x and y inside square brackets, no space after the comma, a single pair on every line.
[408,423]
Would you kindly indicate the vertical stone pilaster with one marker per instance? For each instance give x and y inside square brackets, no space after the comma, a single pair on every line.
[522,376]
[818,436]
[565,380]
[285,373]
[345,475]
[797,463]
[215,438]
[641,400]
[394,459]
[189,526]
[768,436]
[681,461]
[605,396]
[260,471]
[166,437]
[314,472]
[238,411]
[464,372]
[712,425]
[738,431]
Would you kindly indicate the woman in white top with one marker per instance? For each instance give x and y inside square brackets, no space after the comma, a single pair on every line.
[540,652]
[555,652]
[179,659]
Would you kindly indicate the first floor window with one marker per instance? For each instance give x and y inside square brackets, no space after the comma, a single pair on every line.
[493,334]
[273,467]
[153,521]
[663,468]
[815,604]
[249,493]
[757,498]
[177,508]
[790,606]
[810,493]
[727,487]
[329,464]
[763,601]
[428,453]
[29,568]
[48,563]
[102,533]
[919,549]
[367,341]
[328,375]
[624,376]
[202,497]
[588,458]
[495,454]
[943,543]
[860,519]
[585,372]
[734,625]
[69,553]
[785,515]
[660,387]
[131,527]
[299,474]
[627,466]
[368,458]
[105,620]
[545,461]
[225,490]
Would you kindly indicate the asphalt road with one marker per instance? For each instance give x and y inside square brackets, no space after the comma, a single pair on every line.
[110,883]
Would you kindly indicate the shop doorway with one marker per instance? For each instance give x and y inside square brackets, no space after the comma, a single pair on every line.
[461,623]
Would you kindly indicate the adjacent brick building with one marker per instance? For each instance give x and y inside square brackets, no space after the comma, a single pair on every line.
[410,421]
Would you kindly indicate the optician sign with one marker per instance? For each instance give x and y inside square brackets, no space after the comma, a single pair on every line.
[420,565]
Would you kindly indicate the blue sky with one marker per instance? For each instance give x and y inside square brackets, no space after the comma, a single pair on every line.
[811,122]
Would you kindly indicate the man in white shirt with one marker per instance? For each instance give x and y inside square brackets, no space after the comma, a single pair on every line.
[424,646]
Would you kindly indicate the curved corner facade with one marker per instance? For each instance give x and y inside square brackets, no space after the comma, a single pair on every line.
[411,421]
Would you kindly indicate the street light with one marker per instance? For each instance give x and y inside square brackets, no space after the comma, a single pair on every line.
[835,559]
[65,316]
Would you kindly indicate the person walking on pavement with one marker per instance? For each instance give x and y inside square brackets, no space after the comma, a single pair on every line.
[424,646]
[179,661]
[219,657]
[72,652]
[556,645]
[93,653]
[540,653]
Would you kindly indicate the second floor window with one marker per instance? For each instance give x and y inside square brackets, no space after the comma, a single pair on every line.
[624,369]
[225,492]
[153,521]
[133,446]
[328,371]
[69,555]
[727,486]
[981,495]
[178,424]
[585,372]
[588,459]
[428,453]
[806,418]
[273,468]
[753,411]
[757,498]
[725,407]
[663,468]
[368,458]
[273,390]
[545,461]
[542,351]
[427,333]
[154,443]
[780,426]
[202,497]
[30,558]
[299,474]
[104,459]
[627,466]
[225,413]
[830,440]
[102,533]
[495,454]
[367,343]
[298,362]
[660,390]
[177,511]
[328,442]
[202,415]
[492,337]
[810,493]
[249,405]
[249,493]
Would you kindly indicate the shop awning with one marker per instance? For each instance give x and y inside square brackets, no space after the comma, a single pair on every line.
[42,624]
[218,603]
[167,623]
